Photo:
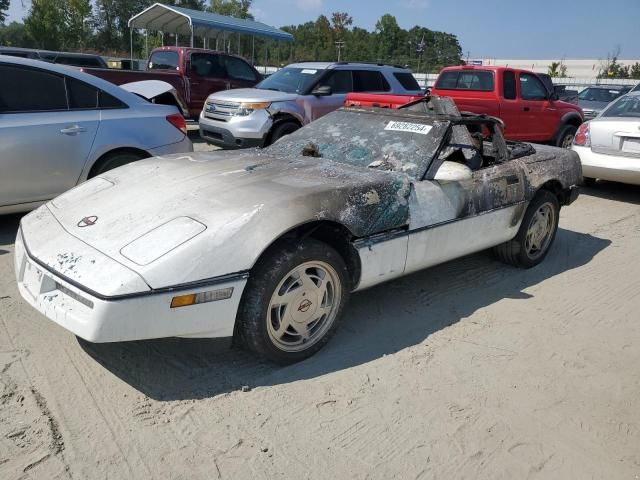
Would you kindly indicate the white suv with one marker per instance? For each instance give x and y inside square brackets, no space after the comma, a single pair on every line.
[293,97]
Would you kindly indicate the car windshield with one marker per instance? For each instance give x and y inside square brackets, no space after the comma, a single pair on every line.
[598,95]
[384,142]
[628,106]
[291,80]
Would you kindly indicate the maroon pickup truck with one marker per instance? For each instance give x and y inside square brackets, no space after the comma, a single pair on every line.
[194,72]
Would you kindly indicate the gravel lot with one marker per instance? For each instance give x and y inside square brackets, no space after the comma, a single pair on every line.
[469,370]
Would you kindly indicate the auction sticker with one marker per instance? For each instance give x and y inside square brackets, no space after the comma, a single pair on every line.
[408,127]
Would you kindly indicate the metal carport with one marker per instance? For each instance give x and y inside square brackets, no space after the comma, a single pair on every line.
[184,21]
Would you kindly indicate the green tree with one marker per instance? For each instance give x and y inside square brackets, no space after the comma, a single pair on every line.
[4,8]
[111,23]
[15,35]
[634,71]
[231,8]
[44,23]
[388,37]
[77,15]
[554,69]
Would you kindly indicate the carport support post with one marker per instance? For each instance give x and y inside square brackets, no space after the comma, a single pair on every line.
[146,43]
[191,36]
[253,49]
[131,43]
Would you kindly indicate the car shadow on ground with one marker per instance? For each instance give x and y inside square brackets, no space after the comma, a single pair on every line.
[8,228]
[620,192]
[377,322]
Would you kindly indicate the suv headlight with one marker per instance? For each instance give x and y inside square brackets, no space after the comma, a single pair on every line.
[247,108]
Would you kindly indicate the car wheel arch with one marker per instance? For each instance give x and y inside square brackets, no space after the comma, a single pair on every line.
[105,156]
[278,119]
[569,119]
[332,233]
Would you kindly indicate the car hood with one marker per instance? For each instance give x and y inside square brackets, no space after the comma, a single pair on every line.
[186,218]
[254,95]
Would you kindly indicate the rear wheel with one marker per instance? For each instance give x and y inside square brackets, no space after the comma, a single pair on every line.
[536,234]
[282,129]
[565,139]
[293,301]
[114,160]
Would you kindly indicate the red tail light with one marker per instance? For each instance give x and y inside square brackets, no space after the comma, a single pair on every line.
[583,136]
[178,121]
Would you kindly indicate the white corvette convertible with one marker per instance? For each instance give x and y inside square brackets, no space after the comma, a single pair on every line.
[266,245]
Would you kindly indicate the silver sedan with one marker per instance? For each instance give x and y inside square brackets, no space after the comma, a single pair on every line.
[59,127]
[609,145]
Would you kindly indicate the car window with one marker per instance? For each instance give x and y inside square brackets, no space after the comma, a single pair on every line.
[628,106]
[369,81]
[208,65]
[509,85]
[407,80]
[466,80]
[340,81]
[30,90]
[164,60]
[239,69]
[109,101]
[81,95]
[531,88]
[599,95]
[89,62]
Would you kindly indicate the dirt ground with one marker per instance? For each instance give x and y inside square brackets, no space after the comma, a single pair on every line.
[469,370]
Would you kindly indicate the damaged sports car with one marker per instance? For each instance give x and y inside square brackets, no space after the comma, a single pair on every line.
[267,245]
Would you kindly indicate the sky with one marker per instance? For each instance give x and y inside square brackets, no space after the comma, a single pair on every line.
[509,29]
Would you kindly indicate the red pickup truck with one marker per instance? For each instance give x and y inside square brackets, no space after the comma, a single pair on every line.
[519,98]
[195,73]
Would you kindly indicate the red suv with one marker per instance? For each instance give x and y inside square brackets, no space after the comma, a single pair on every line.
[530,111]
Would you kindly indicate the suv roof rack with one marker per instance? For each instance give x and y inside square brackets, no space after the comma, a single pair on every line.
[371,63]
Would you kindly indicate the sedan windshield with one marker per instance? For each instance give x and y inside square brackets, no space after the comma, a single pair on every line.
[598,95]
[628,106]
[291,80]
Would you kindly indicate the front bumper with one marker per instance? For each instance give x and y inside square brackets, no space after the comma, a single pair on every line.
[126,317]
[615,168]
[236,132]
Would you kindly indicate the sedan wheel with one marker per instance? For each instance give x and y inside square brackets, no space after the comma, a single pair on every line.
[536,234]
[292,302]
[303,306]
[540,232]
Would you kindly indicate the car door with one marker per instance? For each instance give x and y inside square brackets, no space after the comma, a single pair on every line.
[239,73]
[207,74]
[456,214]
[44,142]
[510,107]
[538,121]
[340,82]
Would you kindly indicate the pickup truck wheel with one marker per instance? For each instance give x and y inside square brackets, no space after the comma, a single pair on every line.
[536,233]
[565,139]
[282,129]
[114,160]
[293,300]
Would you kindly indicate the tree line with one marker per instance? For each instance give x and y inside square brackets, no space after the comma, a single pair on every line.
[100,26]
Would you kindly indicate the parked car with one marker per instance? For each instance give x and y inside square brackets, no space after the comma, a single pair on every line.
[195,73]
[267,244]
[529,110]
[59,127]
[609,145]
[594,99]
[293,97]
[65,58]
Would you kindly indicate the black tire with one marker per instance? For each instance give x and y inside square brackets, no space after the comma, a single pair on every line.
[271,270]
[588,181]
[515,252]
[565,137]
[281,129]
[114,160]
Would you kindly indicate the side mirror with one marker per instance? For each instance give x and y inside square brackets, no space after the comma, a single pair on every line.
[321,91]
[554,97]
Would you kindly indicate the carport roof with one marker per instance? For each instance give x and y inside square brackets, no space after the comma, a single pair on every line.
[170,19]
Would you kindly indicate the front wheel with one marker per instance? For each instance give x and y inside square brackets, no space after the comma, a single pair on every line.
[293,301]
[536,234]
